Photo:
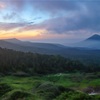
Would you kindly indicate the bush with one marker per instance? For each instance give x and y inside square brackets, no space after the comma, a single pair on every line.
[48,90]
[4,88]
[18,95]
[74,96]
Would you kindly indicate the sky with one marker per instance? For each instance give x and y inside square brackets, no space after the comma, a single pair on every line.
[58,21]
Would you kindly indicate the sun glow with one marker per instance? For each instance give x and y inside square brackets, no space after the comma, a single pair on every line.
[2,5]
[35,34]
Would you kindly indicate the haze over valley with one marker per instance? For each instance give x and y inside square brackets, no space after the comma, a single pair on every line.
[49,50]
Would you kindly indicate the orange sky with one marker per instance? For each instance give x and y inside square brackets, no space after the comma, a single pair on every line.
[20,35]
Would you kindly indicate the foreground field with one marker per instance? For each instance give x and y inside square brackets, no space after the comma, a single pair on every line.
[69,86]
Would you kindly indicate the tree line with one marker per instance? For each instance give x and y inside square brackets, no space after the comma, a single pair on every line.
[32,63]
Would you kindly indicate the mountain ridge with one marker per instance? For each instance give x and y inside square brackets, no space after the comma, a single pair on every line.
[92,43]
[49,49]
[95,37]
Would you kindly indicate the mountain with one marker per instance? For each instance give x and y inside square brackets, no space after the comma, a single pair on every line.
[92,42]
[95,37]
[12,40]
[43,48]
[34,44]
[77,53]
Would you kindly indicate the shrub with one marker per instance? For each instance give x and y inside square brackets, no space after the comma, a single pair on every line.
[18,95]
[74,96]
[4,88]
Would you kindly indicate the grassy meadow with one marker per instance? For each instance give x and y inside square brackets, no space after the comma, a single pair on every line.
[68,86]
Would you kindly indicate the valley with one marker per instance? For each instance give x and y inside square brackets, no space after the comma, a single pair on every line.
[33,76]
[49,49]
[85,52]
[44,71]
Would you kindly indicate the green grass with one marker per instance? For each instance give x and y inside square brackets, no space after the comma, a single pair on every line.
[26,85]
[66,80]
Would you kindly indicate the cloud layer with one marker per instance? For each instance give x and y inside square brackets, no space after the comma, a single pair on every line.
[64,16]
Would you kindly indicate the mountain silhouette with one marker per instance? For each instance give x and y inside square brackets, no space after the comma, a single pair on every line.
[95,37]
[92,42]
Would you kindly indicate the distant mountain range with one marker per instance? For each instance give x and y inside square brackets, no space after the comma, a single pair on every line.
[92,42]
[26,46]
[87,49]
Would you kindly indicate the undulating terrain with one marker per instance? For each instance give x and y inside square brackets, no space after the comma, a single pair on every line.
[52,72]
[86,51]
[49,49]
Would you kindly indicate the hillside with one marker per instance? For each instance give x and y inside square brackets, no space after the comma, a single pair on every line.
[50,46]
[32,76]
[83,54]
[12,62]
[15,62]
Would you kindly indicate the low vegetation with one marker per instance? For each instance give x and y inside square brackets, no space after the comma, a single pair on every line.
[28,76]
[69,86]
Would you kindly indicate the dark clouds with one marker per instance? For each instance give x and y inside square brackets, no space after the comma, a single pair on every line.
[72,15]
[47,5]
[86,15]
[55,6]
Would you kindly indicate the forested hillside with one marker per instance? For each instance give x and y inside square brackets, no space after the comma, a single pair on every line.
[14,62]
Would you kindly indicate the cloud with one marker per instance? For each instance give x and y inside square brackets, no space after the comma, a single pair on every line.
[73,15]
[13,16]
[15,4]
[65,25]
[12,26]
[48,6]
[2,5]
[10,16]
[87,18]
[54,6]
